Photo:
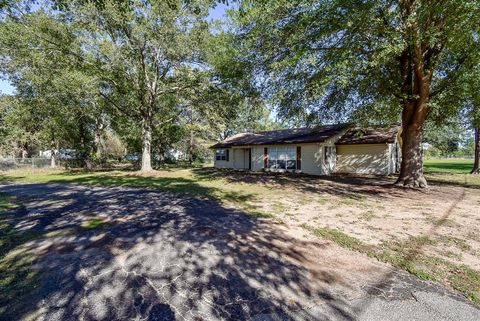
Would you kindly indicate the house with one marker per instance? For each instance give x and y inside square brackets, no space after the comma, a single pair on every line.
[339,148]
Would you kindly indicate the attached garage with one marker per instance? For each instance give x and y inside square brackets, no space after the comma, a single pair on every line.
[363,159]
[368,152]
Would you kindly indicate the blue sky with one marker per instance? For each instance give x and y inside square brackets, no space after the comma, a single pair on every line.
[216,13]
[5,87]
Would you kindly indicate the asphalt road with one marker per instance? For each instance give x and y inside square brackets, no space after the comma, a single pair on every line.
[163,256]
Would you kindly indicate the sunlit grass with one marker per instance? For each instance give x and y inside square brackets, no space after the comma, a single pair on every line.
[451,171]
[93,224]
[448,165]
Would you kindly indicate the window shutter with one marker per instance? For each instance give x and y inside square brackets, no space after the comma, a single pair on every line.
[228,155]
[299,157]
[265,157]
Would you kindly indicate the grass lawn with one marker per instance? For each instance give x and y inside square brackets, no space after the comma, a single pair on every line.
[432,234]
[448,165]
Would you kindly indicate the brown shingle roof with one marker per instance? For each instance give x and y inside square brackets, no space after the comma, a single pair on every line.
[378,135]
[284,136]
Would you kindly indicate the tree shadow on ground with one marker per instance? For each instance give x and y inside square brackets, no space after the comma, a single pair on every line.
[453,180]
[159,256]
[336,184]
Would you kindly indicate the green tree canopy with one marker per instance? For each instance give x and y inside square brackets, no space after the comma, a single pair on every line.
[320,60]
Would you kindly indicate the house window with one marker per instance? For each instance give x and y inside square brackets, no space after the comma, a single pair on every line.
[221,155]
[282,158]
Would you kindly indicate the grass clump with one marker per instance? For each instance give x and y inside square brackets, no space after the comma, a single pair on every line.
[339,237]
[94,224]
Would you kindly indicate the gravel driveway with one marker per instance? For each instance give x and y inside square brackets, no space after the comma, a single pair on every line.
[165,256]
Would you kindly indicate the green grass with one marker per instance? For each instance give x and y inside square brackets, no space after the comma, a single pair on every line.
[448,165]
[408,255]
[451,172]
[190,181]
[18,280]
[339,237]
[94,224]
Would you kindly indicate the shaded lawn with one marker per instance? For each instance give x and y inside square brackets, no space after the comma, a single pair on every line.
[179,180]
[18,279]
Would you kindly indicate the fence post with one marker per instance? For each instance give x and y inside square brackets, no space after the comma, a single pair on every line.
[33,162]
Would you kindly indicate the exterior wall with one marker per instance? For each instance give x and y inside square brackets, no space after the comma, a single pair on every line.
[239,158]
[312,159]
[364,159]
[224,164]
[257,158]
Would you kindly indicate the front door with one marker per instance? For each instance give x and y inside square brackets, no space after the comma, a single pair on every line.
[247,154]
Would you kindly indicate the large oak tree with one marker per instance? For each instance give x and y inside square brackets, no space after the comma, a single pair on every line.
[378,59]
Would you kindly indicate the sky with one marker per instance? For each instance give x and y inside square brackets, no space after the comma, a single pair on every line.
[216,13]
[5,87]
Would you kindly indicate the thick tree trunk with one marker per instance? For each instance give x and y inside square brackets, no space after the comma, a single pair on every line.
[476,165]
[147,147]
[411,169]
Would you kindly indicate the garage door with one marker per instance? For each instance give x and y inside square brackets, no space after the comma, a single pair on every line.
[362,159]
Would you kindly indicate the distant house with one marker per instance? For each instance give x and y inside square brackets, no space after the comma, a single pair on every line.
[340,148]
[62,153]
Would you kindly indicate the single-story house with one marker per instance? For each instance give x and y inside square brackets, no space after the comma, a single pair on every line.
[340,148]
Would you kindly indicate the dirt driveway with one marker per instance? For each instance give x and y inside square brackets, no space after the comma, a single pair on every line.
[115,253]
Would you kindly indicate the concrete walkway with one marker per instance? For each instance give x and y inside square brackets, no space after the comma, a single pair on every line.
[164,256]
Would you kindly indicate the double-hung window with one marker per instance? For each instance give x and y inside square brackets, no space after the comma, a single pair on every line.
[221,155]
[282,158]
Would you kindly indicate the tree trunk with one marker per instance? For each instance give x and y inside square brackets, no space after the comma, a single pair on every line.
[146,147]
[411,170]
[98,144]
[476,165]
[190,148]
[24,151]
[53,162]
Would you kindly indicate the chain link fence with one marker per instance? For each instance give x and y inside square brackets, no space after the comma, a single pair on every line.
[34,162]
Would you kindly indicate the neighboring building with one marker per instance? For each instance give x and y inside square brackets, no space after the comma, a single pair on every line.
[323,150]
[60,154]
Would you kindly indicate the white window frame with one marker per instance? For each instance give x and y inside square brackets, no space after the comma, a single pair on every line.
[221,155]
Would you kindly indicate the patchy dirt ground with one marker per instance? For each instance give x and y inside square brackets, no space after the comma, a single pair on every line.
[376,213]
[116,253]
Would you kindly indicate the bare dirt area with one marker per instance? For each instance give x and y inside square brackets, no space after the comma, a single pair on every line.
[448,216]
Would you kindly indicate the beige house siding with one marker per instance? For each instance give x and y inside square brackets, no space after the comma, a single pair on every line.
[239,158]
[312,160]
[364,159]
[224,164]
